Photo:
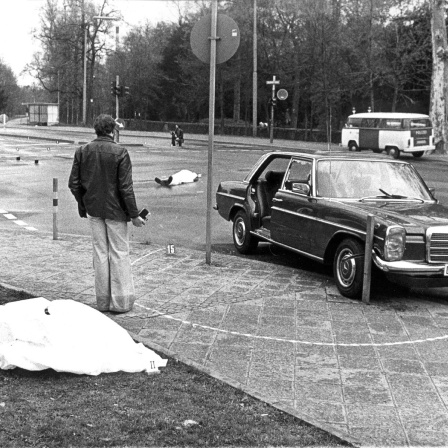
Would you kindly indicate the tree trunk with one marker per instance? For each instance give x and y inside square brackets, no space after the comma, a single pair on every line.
[295,90]
[439,76]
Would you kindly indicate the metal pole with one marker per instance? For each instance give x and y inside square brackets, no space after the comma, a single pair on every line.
[211,129]
[117,102]
[368,259]
[59,102]
[84,84]
[55,208]
[271,134]
[254,76]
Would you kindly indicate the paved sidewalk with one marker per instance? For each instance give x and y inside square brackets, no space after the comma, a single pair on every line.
[374,374]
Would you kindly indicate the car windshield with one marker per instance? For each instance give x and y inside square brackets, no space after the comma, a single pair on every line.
[364,179]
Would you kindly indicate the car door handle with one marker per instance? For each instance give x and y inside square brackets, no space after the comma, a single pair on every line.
[277,200]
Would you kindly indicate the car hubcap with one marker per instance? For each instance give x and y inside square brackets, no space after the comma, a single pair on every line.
[346,267]
[240,232]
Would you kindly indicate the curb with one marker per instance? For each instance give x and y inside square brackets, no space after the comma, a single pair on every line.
[59,140]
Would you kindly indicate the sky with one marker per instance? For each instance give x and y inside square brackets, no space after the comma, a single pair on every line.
[19,17]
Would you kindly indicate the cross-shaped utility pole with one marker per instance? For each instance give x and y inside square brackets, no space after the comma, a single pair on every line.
[273,82]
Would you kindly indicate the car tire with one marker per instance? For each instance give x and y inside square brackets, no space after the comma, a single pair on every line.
[418,153]
[352,146]
[394,152]
[348,273]
[244,241]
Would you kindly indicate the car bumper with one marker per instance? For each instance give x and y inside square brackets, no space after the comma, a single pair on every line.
[415,274]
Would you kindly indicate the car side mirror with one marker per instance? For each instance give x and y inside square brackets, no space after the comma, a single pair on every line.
[301,188]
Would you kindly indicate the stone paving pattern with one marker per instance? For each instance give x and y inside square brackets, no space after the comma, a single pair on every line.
[282,334]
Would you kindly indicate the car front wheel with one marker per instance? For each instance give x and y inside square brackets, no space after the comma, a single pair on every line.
[348,268]
[243,240]
[418,153]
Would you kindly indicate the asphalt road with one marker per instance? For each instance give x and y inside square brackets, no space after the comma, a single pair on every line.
[178,214]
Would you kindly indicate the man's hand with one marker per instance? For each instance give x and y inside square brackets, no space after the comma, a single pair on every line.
[138,222]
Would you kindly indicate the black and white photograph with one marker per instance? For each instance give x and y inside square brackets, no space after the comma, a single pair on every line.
[223,223]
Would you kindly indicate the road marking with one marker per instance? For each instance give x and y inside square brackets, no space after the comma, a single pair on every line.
[293,341]
[19,222]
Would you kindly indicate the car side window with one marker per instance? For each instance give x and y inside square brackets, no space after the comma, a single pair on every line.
[277,165]
[299,172]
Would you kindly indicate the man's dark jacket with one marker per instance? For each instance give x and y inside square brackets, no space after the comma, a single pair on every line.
[101,180]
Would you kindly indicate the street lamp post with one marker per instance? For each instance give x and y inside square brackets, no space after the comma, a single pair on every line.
[254,75]
[84,80]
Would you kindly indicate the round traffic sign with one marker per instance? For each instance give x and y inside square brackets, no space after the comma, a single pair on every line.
[228,41]
[282,94]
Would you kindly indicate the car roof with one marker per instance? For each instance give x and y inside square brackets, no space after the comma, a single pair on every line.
[388,115]
[332,155]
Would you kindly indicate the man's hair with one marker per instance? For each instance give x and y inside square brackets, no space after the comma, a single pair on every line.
[104,125]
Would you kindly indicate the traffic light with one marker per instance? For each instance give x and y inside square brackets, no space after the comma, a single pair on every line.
[117,90]
[274,101]
[126,90]
[113,85]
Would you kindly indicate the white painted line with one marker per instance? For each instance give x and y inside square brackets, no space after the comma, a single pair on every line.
[3,211]
[144,256]
[9,216]
[21,223]
[294,341]
[31,228]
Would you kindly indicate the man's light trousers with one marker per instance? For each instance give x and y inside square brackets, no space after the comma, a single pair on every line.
[114,286]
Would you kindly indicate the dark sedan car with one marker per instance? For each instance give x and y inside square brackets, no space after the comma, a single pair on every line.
[317,205]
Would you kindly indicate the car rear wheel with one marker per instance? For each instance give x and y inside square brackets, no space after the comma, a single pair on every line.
[418,153]
[394,152]
[348,268]
[243,240]
[352,146]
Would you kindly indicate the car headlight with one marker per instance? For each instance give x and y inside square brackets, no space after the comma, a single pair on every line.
[394,243]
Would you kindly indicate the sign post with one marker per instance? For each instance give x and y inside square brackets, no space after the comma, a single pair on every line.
[214,40]
[274,82]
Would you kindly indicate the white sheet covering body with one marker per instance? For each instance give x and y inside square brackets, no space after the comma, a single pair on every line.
[183,177]
[68,336]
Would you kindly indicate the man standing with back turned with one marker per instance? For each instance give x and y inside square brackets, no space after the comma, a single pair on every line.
[101,181]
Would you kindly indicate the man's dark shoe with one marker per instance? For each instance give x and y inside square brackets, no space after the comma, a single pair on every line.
[165,182]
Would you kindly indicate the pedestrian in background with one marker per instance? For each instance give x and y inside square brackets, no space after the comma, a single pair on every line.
[179,135]
[101,181]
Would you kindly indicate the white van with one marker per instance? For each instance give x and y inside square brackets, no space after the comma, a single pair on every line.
[389,131]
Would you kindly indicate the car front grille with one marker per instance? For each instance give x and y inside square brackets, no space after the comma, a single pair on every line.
[437,244]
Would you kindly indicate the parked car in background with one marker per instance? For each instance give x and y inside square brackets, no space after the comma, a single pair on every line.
[389,131]
[317,206]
